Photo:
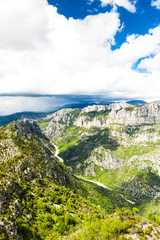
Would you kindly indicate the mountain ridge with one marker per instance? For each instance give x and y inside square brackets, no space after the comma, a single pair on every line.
[40,197]
[102,142]
[38,115]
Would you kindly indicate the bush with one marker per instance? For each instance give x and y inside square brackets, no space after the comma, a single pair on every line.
[148,230]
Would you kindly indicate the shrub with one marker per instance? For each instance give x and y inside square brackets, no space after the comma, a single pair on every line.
[148,230]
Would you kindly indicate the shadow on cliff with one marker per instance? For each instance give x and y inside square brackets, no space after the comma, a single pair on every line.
[82,150]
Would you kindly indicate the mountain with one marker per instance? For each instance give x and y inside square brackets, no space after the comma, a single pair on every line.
[136,102]
[116,144]
[40,198]
[43,198]
[23,115]
[40,115]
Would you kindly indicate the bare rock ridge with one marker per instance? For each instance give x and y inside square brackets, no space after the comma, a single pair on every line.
[27,149]
[117,144]
[103,115]
[27,128]
[121,113]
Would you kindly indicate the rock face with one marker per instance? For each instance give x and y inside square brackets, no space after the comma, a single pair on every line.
[102,116]
[120,113]
[104,159]
[60,121]
[26,129]
[94,108]
[27,149]
[119,142]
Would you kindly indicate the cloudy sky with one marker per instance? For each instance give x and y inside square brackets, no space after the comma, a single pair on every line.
[107,47]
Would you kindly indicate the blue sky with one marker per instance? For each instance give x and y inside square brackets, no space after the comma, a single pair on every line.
[144,18]
[109,48]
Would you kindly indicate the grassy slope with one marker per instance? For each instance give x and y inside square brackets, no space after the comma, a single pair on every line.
[30,191]
[122,225]
[116,179]
[43,122]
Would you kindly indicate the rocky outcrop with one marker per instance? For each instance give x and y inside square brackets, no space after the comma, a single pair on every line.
[120,137]
[8,149]
[147,161]
[101,157]
[94,108]
[120,113]
[60,121]
[26,129]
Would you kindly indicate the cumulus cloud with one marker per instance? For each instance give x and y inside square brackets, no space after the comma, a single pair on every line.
[156,3]
[23,24]
[139,46]
[43,52]
[151,64]
[73,48]
[130,6]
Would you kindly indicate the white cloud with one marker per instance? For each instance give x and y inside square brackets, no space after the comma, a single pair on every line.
[23,24]
[43,52]
[139,46]
[73,48]
[130,6]
[156,3]
[151,64]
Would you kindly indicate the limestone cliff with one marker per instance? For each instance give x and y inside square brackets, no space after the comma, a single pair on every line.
[121,113]
[117,144]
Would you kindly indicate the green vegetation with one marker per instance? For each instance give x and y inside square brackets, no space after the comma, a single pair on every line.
[150,206]
[82,146]
[95,114]
[119,226]
[45,208]
[132,150]
[40,196]
[131,130]
[125,180]
[130,109]
[42,199]
[43,122]
[71,136]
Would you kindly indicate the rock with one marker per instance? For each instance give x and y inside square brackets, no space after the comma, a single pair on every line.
[26,128]
[101,157]
[121,113]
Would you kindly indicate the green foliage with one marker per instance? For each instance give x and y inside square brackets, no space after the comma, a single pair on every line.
[43,123]
[153,217]
[131,130]
[111,228]
[135,211]
[125,212]
[130,109]
[132,150]
[40,208]
[94,114]
[148,230]
[81,148]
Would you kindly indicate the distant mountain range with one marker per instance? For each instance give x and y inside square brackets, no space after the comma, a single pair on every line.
[136,102]
[37,115]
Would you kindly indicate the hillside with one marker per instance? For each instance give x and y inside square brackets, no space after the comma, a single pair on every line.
[40,198]
[116,144]
[19,116]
